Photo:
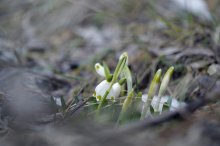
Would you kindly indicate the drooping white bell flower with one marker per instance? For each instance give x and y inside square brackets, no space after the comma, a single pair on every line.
[100,69]
[174,104]
[103,87]
[116,89]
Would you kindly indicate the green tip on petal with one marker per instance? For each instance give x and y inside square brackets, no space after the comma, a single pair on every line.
[99,97]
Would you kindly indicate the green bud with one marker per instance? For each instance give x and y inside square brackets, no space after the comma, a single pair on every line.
[165,81]
[163,86]
[120,66]
[154,84]
[126,105]
[122,81]
[151,93]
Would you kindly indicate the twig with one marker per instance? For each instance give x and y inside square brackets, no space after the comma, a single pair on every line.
[78,106]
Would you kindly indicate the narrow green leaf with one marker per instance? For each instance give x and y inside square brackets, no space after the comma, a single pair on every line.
[164,84]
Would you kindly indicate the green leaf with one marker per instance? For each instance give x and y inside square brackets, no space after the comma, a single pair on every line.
[108,75]
[126,73]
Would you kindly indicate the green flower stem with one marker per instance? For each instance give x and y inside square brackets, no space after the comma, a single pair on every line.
[119,68]
[163,86]
[151,93]
[104,98]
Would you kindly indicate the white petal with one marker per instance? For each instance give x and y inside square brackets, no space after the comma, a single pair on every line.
[111,95]
[174,105]
[162,101]
[144,97]
[116,89]
[101,88]
[100,69]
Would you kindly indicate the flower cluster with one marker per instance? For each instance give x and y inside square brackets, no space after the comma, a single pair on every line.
[110,86]
[157,102]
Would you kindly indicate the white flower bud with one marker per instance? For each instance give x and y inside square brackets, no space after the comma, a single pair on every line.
[116,89]
[100,69]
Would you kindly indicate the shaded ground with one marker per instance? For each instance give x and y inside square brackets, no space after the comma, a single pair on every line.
[48,50]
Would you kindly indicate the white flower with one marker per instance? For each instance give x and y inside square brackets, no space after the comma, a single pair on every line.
[116,89]
[100,69]
[174,105]
[103,87]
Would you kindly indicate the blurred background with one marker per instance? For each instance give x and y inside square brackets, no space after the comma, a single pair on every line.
[63,34]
